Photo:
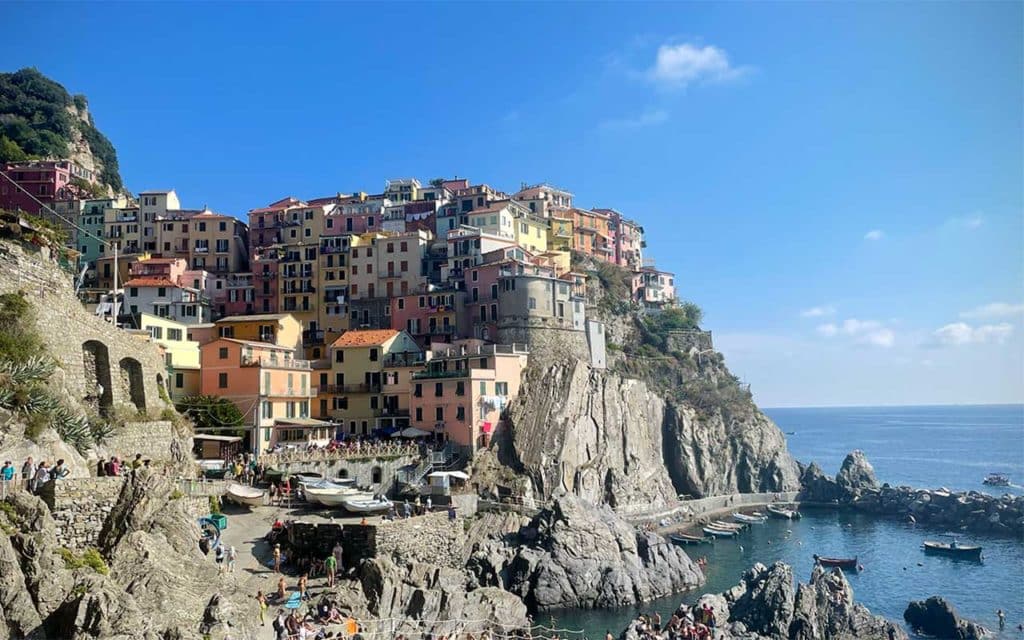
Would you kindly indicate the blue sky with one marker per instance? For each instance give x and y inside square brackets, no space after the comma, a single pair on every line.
[839,186]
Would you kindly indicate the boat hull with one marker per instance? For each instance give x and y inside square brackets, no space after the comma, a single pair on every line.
[367,506]
[943,549]
[719,533]
[842,563]
[783,514]
[246,497]
[745,519]
[683,539]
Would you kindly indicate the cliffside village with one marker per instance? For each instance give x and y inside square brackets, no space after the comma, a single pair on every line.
[409,311]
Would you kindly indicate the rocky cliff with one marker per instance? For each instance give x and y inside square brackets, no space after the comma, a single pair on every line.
[578,554]
[766,604]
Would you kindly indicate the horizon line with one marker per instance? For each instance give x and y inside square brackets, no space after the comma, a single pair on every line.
[893,406]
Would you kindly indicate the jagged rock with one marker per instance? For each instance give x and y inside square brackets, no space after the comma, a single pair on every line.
[18,613]
[717,454]
[424,598]
[815,486]
[856,474]
[614,440]
[937,617]
[764,605]
[97,608]
[576,554]
[592,434]
[46,578]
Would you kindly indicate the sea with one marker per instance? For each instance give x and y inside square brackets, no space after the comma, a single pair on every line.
[927,447]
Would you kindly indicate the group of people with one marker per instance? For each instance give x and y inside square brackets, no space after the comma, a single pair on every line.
[311,625]
[117,467]
[341,449]
[33,476]
[697,623]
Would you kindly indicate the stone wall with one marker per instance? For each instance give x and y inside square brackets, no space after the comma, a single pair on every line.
[80,506]
[548,342]
[431,538]
[686,340]
[98,365]
[362,471]
[156,440]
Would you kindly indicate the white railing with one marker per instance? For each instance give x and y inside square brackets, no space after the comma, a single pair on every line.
[324,454]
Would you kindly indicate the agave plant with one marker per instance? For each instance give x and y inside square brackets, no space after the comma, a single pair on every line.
[73,428]
[34,369]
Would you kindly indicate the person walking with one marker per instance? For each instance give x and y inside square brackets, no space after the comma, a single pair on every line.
[7,477]
[232,556]
[60,470]
[303,582]
[28,473]
[331,566]
[261,600]
[430,504]
[277,558]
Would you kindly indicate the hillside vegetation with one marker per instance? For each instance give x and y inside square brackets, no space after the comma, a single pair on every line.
[40,119]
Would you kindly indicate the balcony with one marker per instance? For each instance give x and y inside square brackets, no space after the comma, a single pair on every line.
[405,360]
[332,297]
[311,337]
[202,249]
[432,375]
[275,363]
[292,290]
[292,392]
[337,389]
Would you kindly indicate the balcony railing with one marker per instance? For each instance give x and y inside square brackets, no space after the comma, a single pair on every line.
[202,249]
[275,363]
[305,289]
[404,360]
[428,375]
[312,337]
[336,389]
[332,296]
[292,392]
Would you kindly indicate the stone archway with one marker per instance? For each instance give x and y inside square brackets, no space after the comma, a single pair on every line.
[99,392]
[132,380]
[377,475]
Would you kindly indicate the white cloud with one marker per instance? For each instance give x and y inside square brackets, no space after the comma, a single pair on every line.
[993,310]
[648,118]
[677,66]
[970,222]
[828,330]
[870,332]
[960,333]
[818,312]
[874,234]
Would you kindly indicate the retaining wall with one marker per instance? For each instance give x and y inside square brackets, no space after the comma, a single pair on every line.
[359,470]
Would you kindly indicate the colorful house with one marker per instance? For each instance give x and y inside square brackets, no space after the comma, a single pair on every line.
[181,354]
[280,329]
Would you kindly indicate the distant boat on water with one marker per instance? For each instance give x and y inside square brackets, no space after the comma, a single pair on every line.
[842,563]
[952,549]
[685,539]
[719,533]
[783,513]
[997,480]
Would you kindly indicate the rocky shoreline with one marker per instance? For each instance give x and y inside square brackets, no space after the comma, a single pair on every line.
[855,487]
[766,604]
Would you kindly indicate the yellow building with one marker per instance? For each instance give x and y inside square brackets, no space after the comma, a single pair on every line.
[180,354]
[532,234]
[560,233]
[281,329]
[355,385]
[218,243]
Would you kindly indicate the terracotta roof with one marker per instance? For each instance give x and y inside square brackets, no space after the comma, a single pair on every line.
[365,337]
[149,282]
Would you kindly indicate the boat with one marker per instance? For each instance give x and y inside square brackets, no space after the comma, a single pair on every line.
[952,549]
[307,477]
[338,498]
[364,505]
[782,512]
[718,533]
[685,539]
[273,476]
[749,519]
[997,480]
[728,526]
[243,495]
[842,563]
[329,495]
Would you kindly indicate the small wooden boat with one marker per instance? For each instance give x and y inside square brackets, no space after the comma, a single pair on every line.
[728,526]
[842,563]
[718,533]
[685,539]
[338,498]
[749,519]
[243,495]
[329,495]
[783,513]
[363,505]
[952,549]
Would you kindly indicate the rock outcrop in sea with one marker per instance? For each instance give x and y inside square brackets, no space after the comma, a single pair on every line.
[767,605]
[938,618]
[577,554]
[856,487]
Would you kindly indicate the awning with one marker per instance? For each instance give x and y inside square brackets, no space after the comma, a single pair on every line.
[413,432]
[210,436]
[301,422]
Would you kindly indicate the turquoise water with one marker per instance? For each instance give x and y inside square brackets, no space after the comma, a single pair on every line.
[919,446]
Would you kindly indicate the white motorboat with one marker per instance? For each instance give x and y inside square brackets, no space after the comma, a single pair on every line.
[364,505]
[245,495]
[749,519]
[328,494]
[338,498]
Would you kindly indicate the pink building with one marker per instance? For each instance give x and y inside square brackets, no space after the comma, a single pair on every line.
[46,180]
[654,288]
[264,280]
[427,316]
[236,295]
[626,238]
[464,390]
[266,224]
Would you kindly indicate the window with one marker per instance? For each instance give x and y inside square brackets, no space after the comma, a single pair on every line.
[222,246]
[483,387]
[460,413]
[401,303]
[404,246]
[339,356]
[403,266]
[223,226]
[476,294]
[223,353]
[133,291]
[494,291]
[531,303]
[202,226]
[460,388]
[501,388]
[439,414]
[369,268]
[355,269]
[156,332]
[222,380]
[438,389]
[419,414]
[374,404]
[391,247]
[179,380]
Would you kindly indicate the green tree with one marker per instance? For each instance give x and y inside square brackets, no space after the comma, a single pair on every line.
[10,151]
[211,413]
